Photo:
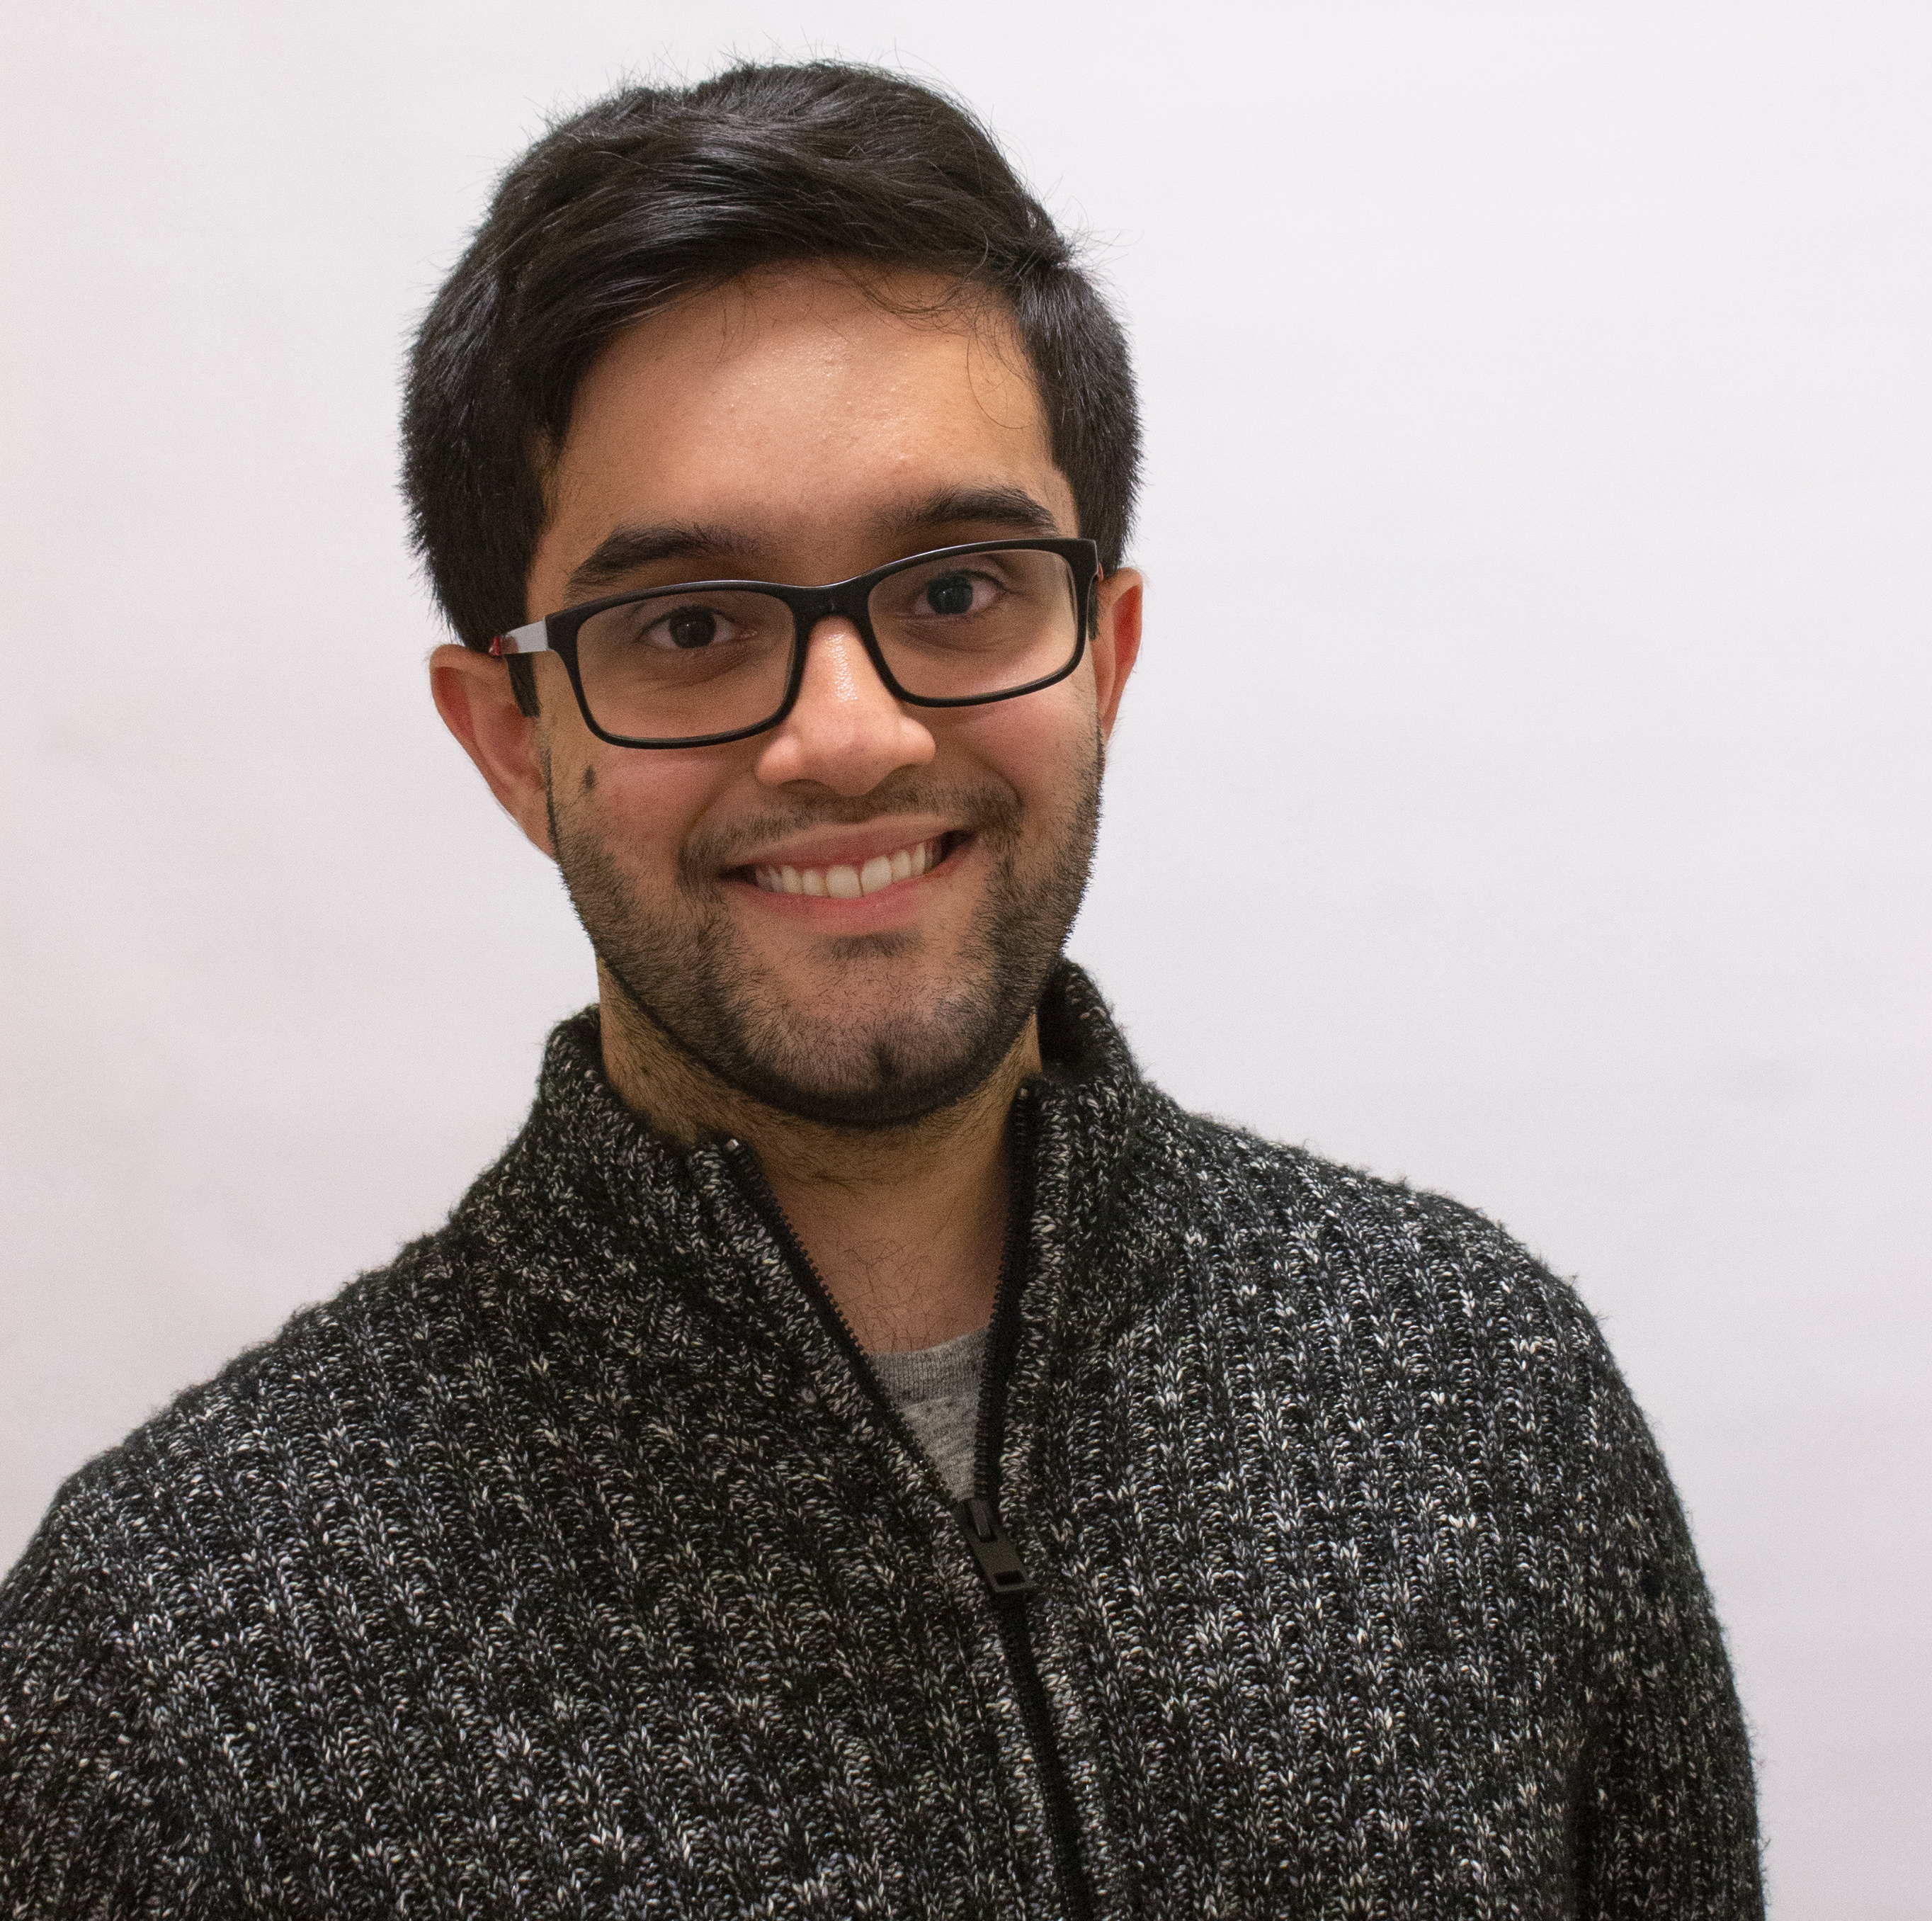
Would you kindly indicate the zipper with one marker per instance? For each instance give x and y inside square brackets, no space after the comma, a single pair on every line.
[1008,1584]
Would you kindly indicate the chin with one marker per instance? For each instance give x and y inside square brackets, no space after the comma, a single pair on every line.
[865,1074]
[857,1031]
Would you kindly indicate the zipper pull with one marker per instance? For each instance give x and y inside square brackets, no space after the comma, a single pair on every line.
[1004,1572]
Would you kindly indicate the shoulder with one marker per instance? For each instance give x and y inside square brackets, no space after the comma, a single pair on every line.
[154,1554]
[1427,1326]
[1425,1276]
[1242,1183]
[206,1479]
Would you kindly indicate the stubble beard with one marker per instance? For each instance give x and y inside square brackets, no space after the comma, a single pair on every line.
[847,1049]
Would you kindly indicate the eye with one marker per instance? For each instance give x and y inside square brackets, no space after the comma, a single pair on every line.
[958,593]
[687,628]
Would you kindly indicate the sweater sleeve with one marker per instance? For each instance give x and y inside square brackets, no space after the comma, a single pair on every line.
[1665,1820]
[83,1826]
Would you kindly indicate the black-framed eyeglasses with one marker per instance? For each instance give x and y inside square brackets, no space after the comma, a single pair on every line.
[702,663]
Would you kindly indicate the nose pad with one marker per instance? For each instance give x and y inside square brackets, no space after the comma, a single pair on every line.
[847,730]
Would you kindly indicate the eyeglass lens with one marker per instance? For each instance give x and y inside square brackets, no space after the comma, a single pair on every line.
[684,664]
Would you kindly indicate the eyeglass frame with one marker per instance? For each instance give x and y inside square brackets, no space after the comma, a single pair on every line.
[556,633]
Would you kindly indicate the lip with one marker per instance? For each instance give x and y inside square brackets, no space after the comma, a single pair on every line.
[847,846]
[893,907]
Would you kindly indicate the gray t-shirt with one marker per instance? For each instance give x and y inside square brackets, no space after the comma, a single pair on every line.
[937,1390]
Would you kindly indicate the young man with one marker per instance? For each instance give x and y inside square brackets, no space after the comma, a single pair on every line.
[861,1450]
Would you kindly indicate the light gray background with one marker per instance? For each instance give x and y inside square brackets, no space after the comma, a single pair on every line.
[1525,790]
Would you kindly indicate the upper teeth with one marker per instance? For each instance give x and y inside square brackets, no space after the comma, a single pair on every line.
[849,883]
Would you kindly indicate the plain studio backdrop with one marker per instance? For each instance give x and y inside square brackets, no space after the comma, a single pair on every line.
[1524,791]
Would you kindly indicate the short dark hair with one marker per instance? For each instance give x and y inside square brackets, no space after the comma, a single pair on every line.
[656,193]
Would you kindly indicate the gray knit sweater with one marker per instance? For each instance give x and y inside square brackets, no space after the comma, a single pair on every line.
[574,1565]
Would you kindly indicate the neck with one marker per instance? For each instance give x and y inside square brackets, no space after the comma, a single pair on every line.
[905,1225]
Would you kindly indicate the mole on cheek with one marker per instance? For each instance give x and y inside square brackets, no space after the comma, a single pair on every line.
[590,780]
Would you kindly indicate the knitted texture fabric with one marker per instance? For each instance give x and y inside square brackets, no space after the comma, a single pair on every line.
[572,1565]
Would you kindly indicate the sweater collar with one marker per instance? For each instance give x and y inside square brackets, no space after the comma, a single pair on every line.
[588,1171]
[604,1246]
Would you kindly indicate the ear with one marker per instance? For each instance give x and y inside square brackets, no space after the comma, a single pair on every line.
[1117,639]
[474,696]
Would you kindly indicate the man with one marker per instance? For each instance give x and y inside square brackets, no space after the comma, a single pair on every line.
[861,1450]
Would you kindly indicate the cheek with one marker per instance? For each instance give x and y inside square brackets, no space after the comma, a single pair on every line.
[1041,745]
[640,807]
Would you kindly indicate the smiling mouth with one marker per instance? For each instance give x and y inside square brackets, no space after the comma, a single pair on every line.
[854,883]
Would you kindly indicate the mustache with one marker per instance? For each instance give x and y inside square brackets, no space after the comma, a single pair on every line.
[991,810]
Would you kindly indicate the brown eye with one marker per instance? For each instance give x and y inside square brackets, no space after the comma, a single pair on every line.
[691,627]
[950,593]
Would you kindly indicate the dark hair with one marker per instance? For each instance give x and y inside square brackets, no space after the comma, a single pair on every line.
[656,193]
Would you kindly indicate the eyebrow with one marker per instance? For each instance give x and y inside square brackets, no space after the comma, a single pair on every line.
[1012,507]
[627,550]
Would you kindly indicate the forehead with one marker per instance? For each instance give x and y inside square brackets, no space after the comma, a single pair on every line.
[789,402]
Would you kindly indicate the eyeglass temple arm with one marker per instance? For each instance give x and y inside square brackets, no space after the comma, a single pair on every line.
[532,639]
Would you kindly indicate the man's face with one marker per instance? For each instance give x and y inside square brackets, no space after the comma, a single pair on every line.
[789,428]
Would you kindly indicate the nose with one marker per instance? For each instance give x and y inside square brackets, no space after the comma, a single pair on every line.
[845,731]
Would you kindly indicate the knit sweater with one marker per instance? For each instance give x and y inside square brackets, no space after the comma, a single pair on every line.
[574,1564]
